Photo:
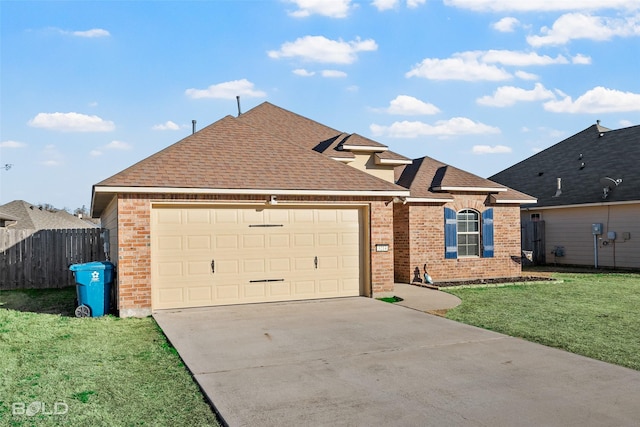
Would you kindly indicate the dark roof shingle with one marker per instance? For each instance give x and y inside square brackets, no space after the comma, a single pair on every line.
[581,161]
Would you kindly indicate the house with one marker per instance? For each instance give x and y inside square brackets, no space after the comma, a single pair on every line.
[588,192]
[21,215]
[273,206]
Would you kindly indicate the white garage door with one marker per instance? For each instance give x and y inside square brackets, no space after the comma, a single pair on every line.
[203,256]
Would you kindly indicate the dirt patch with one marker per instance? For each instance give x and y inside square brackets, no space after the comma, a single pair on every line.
[501,280]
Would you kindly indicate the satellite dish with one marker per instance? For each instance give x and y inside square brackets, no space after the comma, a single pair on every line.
[609,184]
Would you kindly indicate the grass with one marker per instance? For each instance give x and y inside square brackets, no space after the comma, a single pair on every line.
[391,299]
[592,314]
[106,371]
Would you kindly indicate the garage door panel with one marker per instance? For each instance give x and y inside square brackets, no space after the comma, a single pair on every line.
[253,266]
[199,294]
[280,289]
[280,264]
[199,268]
[226,241]
[253,241]
[195,243]
[255,290]
[329,286]
[306,240]
[198,216]
[260,254]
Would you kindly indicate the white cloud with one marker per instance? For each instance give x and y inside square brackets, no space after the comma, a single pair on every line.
[516,58]
[333,74]
[462,66]
[118,145]
[509,95]
[385,4]
[412,4]
[93,33]
[330,8]
[227,90]
[324,50]
[479,65]
[581,59]
[526,76]
[487,149]
[506,24]
[382,5]
[410,106]
[95,153]
[12,144]
[302,72]
[541,5]
[597,100]
[451,127]
[625,123]
[572,26]
[168,125]
[71,122]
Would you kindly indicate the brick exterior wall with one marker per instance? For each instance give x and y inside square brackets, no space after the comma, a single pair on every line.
[134,244]
[419,237]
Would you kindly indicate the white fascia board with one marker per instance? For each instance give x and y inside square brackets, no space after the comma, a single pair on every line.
[343,159]
[469,189]
[276,192]
[427,200]
[519,202]
[380,161]
[513,201]
[584,205]
[363,148]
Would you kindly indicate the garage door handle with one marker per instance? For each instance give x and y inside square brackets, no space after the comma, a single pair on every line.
[315,262]
[213,266]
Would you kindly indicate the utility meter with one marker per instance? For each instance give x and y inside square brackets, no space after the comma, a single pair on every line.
[596,229]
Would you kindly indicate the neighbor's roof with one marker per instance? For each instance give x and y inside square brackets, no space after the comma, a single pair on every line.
[431,180]
[581,162]
[32,217]
[237,157]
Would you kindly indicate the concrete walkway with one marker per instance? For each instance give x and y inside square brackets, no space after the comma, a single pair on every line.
[362,362]
[425,299]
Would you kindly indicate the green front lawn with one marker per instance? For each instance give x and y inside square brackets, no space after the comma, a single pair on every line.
[100,371]
[593,314]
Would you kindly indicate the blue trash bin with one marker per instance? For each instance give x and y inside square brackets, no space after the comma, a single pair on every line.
[93,287]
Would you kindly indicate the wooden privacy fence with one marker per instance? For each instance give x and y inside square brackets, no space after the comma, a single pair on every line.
[40,259]
[533,240]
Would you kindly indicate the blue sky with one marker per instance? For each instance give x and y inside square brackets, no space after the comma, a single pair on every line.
[90,88]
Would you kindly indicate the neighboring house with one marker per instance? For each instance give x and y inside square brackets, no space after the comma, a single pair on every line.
[590,178]
[272,206]
[21,215]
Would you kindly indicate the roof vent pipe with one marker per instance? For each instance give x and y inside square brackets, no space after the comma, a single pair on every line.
[193,127]
[238,100]
[558,188]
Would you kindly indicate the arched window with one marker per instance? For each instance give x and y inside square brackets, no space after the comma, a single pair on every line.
[468,222]
[468,234]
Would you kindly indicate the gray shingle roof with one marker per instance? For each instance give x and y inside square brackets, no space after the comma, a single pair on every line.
[32,217]
[581,161]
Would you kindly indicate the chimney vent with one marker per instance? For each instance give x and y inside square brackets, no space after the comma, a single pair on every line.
[238,100]
[193,127]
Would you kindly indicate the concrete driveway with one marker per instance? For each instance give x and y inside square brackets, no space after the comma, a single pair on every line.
[358,361]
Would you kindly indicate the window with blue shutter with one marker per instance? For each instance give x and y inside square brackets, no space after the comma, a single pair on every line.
[450,234]
[487,233]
